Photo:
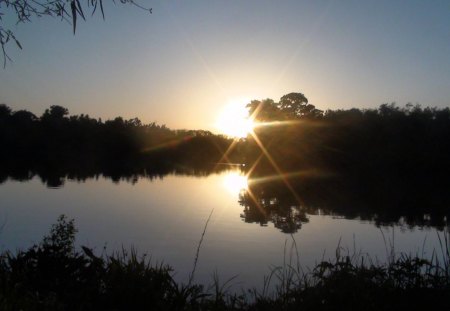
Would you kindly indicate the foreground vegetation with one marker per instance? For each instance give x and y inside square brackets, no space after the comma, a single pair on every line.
[54,275]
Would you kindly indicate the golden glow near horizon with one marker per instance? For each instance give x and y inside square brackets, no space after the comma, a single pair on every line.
[234,182]
[233,119]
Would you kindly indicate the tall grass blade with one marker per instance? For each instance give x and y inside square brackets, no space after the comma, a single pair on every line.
[191,276]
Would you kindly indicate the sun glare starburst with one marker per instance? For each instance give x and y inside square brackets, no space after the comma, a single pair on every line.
[234,120]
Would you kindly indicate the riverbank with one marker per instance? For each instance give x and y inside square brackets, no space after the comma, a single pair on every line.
[53,275]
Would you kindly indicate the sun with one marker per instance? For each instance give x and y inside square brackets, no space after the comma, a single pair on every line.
[233,120]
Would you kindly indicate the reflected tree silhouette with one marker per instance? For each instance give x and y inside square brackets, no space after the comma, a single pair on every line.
[386,165]
[273,202]
[261,206]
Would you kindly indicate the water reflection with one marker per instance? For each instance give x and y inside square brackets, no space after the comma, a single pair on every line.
[55,174]
[287,204]
[262,207]
[267,200]
[235,182]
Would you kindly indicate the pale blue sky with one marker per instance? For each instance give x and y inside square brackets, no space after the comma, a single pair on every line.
[180,65]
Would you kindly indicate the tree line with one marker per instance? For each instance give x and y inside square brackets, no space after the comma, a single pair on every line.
[380,164]
[388,164]
[389,145]
[55,139]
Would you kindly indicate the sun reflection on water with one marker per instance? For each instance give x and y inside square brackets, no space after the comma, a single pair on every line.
[235,182]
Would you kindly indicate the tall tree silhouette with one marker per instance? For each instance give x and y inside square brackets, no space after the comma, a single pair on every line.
[295,105]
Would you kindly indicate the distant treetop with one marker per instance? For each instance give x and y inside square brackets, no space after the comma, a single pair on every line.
[291,106]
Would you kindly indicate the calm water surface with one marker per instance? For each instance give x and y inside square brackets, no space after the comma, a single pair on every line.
[165,219]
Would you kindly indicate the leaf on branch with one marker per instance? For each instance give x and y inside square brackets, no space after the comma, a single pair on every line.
[80,9]
[18,43]
[73,6]
[101,8]
[26,10]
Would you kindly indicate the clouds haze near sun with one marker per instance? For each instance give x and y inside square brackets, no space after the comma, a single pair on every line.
[180,65]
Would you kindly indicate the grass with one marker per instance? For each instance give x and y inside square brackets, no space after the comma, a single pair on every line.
[352,281]
[53,275]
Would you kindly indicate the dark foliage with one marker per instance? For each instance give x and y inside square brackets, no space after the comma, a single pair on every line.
[388,164]
[56,146]
[54,275]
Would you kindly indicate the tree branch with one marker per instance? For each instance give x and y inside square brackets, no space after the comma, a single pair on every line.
[25,10]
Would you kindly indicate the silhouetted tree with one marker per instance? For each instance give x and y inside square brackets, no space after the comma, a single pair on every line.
[55,113]
[5,112]
[265,110]
[55,122]
[380,164]
[291,106]
[295,105]
[23,118]
[57,145]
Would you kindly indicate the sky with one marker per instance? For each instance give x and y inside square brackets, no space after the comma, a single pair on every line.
[182,64]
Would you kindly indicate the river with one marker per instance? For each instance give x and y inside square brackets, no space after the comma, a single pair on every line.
[164,217]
